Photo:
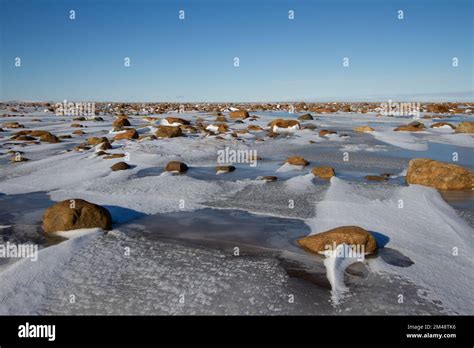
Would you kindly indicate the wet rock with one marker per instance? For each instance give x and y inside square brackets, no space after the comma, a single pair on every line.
[75,214]
[350,235]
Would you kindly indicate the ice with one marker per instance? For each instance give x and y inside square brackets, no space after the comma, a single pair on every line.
[300,183]
[404,140]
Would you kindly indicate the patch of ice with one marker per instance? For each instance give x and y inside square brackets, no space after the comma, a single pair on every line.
[404,140]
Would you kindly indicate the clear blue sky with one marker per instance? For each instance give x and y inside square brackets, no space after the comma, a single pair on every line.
[192,60]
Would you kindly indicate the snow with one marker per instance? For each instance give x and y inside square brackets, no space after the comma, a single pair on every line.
[404,140]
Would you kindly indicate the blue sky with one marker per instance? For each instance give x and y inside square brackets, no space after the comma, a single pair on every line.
[192,59]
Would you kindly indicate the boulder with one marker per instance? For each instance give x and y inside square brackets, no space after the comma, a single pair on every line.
[13,125]
[50,138]
[168,132]
[120,166]
[130,133]
[218,128]
[78,132]
[363,129]
[350,235]
[75,214]
[253,127]
[297,161]
[306,117]
[121,122]
[323,172]
[114,155]
[96,140]
[411,127]
[440,175]
[176,167]
[239,115]
[324,132]
[269,178]
[224,169]
[465,127]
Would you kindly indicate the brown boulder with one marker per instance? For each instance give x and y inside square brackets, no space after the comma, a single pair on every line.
[465,127]
[363,129]
[128,134]
[239,115]
[168,132]
[323,172]
[50,138]
[114,155]
[120,166]
[175,166]
[78,132]
[305,117]
[297,161]
[411,127]
[75,214]
[376,177]
[324,132]
[440,175]
[350,235]
[96,140]
[121,122]
[269,178]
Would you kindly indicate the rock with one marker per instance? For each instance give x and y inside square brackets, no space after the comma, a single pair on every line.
[282,123]
[82,148]
[269,178]
[440,175]
[323,172]
[168,132]
[375,178]
[96,140]
[297,161]
[306,117]
[224,169]
[76,125]
[176,167]
[363,129]
[442,124]
[218,128]
[50,138]
[171,120]
[221,118]
[78,132]
[104,146]
[253,127]
[350,235]
[18,158]
[324,132]
[465,127]
[120,166]
[411,127]
[75,214]
[130,133]
[239,115]
[13,125]
[114,155]
[66,136]
[121,122]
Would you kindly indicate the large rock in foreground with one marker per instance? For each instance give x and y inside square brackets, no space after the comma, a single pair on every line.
[440,175]
[350,235]
[74,214]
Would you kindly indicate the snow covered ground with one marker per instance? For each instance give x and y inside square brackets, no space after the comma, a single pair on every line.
[175,276]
